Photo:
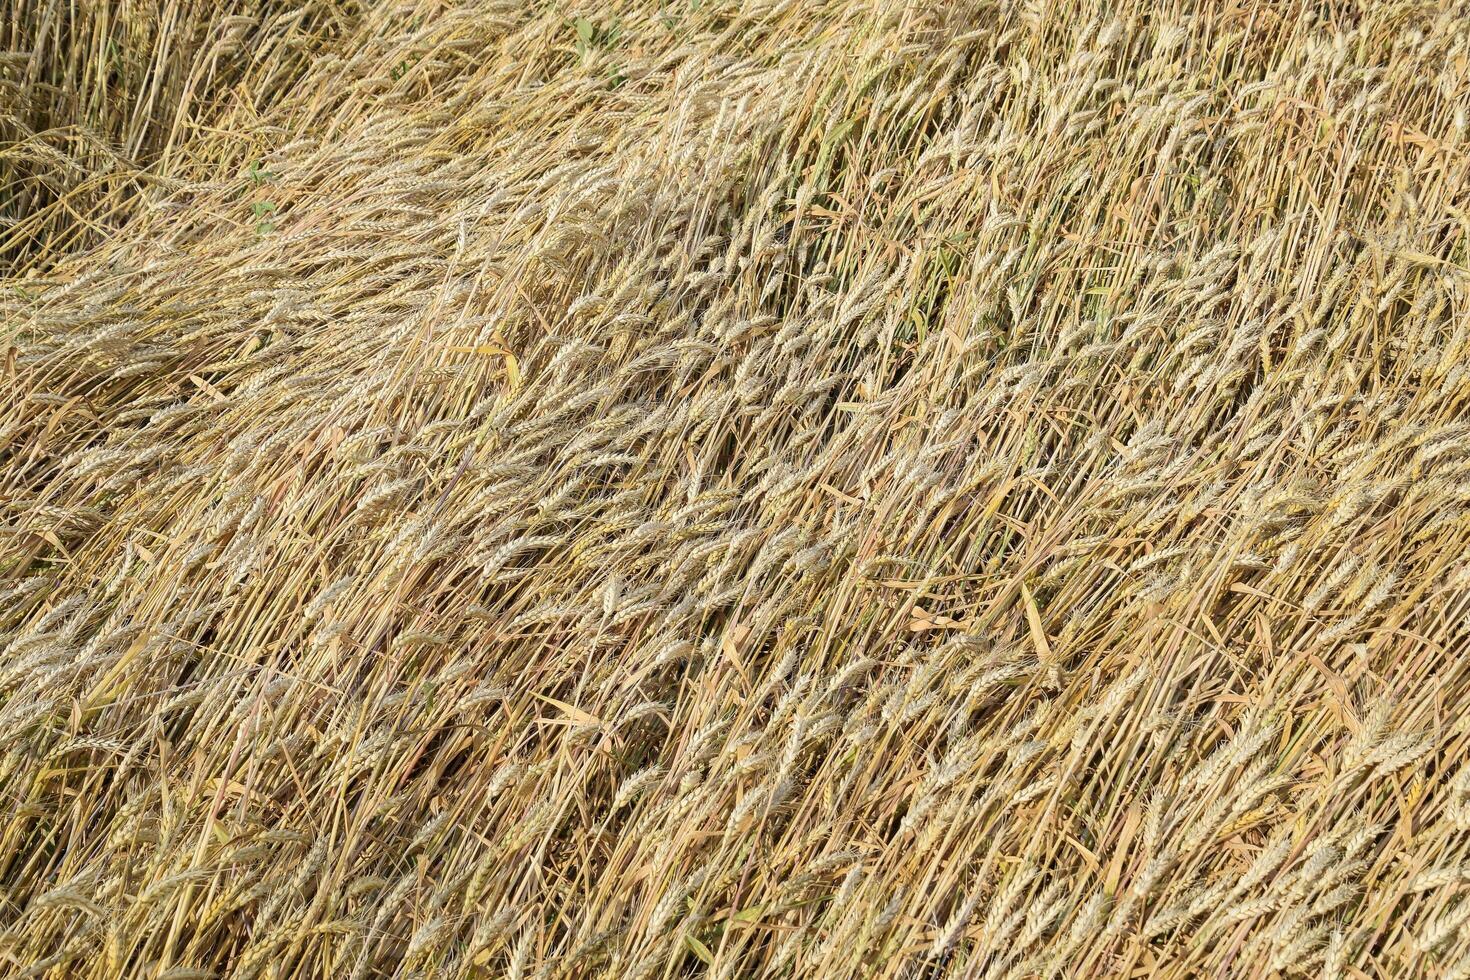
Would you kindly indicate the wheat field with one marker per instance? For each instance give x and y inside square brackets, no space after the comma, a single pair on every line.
[779,488]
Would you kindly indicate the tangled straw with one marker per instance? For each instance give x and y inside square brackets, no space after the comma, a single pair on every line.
[788,488]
